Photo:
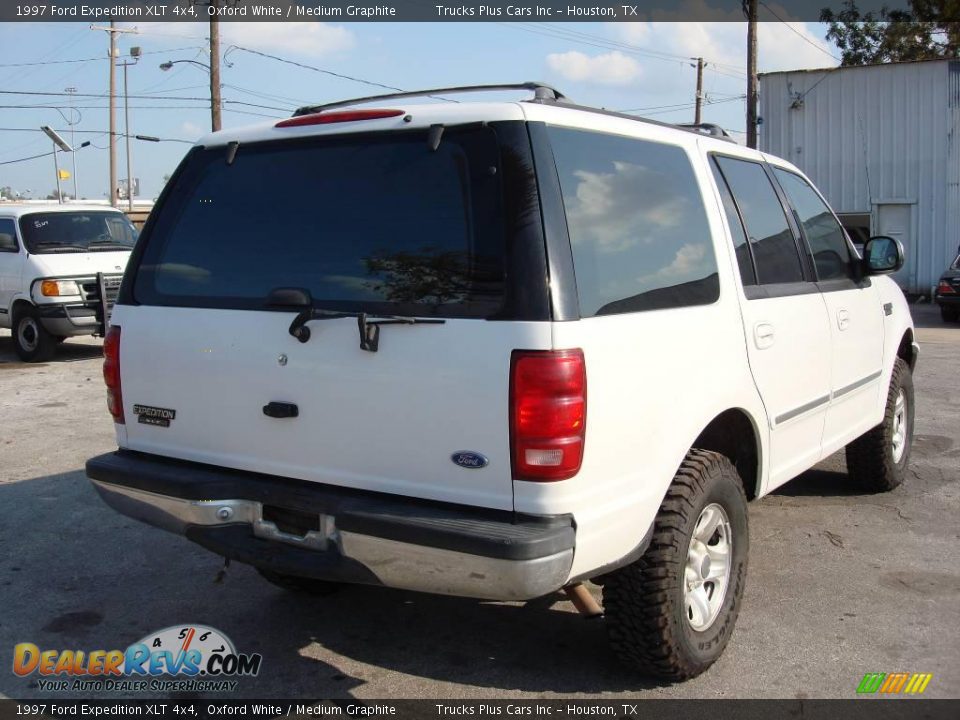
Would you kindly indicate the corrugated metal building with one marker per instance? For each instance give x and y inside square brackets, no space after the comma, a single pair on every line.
[882,142]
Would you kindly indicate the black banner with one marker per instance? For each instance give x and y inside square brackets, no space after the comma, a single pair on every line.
[857,709]
[143,11]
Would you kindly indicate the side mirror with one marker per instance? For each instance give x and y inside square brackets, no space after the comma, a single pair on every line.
[882,255]
[8,243]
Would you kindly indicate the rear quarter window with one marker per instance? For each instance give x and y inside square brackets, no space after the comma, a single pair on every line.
[638,227]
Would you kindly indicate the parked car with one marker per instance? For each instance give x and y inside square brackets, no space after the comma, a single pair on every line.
[60,270]
[948,292]
[495,350]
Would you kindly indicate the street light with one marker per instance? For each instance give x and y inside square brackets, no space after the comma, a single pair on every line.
[214,73]
[170,63]
[135,56]
[58,142]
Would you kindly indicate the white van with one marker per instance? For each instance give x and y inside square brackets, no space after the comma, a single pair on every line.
[60,272]
[495,350]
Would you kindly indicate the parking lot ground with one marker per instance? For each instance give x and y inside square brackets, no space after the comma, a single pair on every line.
[840,583]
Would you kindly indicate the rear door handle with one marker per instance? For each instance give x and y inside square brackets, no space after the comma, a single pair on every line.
[763,335]
[843,319]
[281,410]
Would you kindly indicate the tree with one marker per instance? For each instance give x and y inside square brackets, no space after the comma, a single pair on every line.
[929,30]
[426,275]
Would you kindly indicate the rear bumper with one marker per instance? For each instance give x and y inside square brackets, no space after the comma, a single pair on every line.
[354,536]
[948,300]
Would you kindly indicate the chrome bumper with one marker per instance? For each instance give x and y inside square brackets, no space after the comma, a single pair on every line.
[389,562]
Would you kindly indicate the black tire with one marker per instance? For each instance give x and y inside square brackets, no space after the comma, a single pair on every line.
[30,338]
[309,586]
[949,314]
[871,460]
[644,603]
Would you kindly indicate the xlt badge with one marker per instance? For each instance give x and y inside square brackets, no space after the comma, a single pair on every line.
[148,415]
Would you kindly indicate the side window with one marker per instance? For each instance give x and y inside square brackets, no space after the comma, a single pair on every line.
[638,226]
[771,239]
[8,236]
[831,254]
[748,275]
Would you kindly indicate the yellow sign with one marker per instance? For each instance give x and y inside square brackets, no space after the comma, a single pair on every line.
[64,174]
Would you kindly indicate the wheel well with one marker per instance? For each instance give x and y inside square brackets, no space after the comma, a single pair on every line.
[905,352]
[17,306]
[731,433]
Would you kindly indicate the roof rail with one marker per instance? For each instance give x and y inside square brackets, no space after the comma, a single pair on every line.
[711,129]
[541,93]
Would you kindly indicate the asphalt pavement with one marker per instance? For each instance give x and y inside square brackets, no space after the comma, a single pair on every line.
[839,583]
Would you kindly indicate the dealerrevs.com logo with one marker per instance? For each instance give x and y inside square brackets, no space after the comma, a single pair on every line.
[176,659]
[894,683]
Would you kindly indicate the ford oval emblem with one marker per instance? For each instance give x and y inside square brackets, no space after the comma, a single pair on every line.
[469,460]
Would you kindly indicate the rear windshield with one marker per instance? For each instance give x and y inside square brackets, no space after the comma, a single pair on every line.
[64,232]
[373,222]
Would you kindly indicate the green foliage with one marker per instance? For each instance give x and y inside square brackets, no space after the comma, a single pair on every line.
[928,31]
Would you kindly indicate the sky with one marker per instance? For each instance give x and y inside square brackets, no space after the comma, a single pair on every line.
[641,67]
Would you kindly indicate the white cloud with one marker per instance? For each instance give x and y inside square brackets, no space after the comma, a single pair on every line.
[692,261]
[612,68]
[191,130]
[605,209]
[312,39]
[301,38]
[722,39]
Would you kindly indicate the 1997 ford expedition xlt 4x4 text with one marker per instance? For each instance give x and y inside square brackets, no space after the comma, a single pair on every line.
[494,350]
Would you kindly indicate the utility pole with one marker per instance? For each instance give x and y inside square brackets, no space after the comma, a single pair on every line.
[214,67]
[697,112]
[113,30]
[750,7]
[135,55]
[113,114]
[72,91]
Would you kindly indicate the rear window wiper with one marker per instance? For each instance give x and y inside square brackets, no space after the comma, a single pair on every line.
[368,324]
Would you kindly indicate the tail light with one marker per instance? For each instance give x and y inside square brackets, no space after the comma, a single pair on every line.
[945,288]
[111,373]
[548,413]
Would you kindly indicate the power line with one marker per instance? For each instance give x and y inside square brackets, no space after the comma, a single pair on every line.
[798,33]
[371,83]
[607,44]
[319,70]
[682,106]
[99,132]
[134,97]
[89,59]
[32,157]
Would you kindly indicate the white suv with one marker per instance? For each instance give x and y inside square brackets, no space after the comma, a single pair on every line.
[494,350]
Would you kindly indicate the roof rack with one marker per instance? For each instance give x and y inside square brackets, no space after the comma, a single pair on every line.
[541,93]
[711,129]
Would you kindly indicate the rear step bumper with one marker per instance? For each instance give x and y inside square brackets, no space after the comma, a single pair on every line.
[331,533]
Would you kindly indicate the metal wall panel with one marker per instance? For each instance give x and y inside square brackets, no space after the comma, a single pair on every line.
[873,135]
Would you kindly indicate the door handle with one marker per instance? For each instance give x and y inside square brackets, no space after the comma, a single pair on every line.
[281,410]
[843,319]
[763,335]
